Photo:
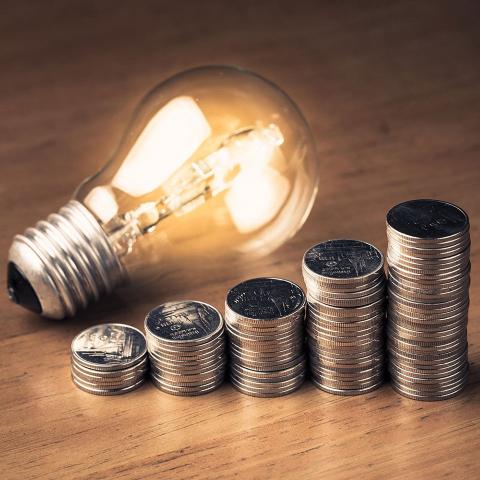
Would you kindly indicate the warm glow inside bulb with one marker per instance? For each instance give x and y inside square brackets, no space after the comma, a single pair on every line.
[168,140]
[256,197]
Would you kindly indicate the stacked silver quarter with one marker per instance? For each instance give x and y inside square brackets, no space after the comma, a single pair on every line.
[345,282]
[186,344]
[109,359]
[429,265]
[265,325]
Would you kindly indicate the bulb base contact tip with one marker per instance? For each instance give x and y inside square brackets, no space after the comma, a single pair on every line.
[62,264]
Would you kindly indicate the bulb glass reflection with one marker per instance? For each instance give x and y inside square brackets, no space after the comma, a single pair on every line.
[216,159]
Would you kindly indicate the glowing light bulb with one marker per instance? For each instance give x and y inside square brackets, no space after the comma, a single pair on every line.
[216,159]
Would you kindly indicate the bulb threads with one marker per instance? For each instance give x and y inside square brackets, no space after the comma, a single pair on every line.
[68,261]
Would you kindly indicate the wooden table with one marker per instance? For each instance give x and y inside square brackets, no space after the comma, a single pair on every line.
[392,91]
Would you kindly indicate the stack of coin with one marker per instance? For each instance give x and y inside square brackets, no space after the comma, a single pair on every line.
[109,359]
[265,326]
[429,265]
[186,345]
[345,283]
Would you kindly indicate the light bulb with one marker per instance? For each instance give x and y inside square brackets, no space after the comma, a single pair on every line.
[217,162]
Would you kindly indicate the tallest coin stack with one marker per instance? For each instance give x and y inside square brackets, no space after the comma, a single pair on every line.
[428,266]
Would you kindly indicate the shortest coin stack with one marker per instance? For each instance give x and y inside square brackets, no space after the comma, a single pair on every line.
[346,311]
[109,359]
[265,326]
[186,344]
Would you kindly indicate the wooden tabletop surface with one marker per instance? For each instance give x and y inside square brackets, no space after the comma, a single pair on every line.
[392,92]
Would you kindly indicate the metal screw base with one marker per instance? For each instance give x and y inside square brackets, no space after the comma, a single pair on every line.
[66,260]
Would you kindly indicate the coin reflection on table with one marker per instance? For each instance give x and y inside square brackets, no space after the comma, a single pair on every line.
[186,345]
[265,325]
[109,359]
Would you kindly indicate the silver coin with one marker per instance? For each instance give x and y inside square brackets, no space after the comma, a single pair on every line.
[430,372]
[92,376]
[342,312]
[426,389]
[419,296]
[378,286]
[426,278]
[348,321]
[252,348]
[327,330]
[353,302]
[426,243]
[265,366]
[347,365]
[183,381]
[190,381]
[189,367]
[203,357]
[264,391]
[343,261]
[140,365]
[190,370]
[272,336]
[422,307]
[426,358]
[342,328]
[424,347]
[430,287]
[340,374]
[427,321]
[355,286]
[201,350]
[428,268]
[267,330]
[347,392]
[106,391]
[284,374]
[265,299]
[422,255]
[194,364]
[186,391]
[415,395]
[264,357]
[108,383]
[279,393]
[428,219]
[429,381]
[357,338]
[406,333]
[435,386]
[348,384]
[184,322]
[109,346]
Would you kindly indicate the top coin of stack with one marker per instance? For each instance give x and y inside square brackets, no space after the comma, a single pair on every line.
[345,283]
[109,359]
[428,264]
[265,326]
[186,344]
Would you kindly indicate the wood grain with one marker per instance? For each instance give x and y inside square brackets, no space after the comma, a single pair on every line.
[392,91]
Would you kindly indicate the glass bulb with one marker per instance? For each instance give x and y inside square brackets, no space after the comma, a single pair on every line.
[217,162]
